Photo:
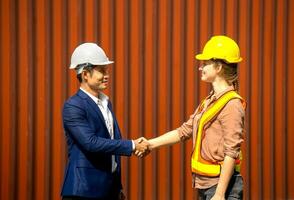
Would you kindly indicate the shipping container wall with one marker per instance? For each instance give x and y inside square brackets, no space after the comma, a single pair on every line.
[154,87]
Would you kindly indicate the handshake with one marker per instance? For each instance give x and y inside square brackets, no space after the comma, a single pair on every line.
[142,147]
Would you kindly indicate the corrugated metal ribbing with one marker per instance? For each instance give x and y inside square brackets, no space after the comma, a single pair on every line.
[154,87]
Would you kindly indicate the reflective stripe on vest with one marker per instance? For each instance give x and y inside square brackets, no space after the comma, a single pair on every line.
[198,164]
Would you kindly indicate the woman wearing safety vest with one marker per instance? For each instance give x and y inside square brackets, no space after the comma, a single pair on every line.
[216,126]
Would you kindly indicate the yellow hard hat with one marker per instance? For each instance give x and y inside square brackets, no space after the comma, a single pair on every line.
[221,47]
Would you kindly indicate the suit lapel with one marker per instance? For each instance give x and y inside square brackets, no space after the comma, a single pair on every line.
[93,105]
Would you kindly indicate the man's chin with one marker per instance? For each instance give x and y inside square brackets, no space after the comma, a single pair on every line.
[103,88]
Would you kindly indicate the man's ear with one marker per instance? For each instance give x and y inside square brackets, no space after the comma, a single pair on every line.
[84,75]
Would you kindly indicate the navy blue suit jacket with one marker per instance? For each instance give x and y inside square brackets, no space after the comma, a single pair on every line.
[88,172]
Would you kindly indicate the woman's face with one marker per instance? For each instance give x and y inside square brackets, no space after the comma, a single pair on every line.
[208,71]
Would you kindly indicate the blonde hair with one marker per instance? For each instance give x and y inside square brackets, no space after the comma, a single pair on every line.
[229,72]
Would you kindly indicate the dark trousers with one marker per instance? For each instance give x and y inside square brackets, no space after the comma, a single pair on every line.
[112,197]
[84,198]
[77,198]
[234,190]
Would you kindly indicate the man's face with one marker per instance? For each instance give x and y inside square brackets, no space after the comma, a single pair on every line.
[98,80]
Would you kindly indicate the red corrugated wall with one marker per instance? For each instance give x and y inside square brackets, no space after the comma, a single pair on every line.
[154,87]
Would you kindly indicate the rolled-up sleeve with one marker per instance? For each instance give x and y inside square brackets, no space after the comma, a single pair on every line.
[232,122]
[186,130]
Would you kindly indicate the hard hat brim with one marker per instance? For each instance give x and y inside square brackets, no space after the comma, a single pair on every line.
[73,66]
[202,57]
[205,57]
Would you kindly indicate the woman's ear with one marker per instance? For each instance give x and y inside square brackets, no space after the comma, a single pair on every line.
[219,67]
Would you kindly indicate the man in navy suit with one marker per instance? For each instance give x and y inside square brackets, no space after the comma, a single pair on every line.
[92,132]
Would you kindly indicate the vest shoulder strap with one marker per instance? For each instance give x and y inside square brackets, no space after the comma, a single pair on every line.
[219,105]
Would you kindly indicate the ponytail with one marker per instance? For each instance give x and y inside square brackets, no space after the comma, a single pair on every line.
[230,73]
[235,83]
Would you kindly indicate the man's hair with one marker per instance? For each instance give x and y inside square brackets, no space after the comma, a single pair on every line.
[229,72]
[86,67]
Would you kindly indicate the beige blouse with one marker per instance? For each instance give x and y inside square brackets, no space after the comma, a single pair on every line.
[222,136]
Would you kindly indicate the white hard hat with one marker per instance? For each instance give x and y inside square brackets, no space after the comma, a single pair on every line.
[88,53]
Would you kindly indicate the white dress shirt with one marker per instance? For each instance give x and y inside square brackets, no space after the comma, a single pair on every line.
[102,103]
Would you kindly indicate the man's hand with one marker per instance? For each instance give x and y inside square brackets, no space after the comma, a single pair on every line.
[121,196]
[141,147]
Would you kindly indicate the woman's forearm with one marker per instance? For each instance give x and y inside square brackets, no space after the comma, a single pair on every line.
[225,176]
[168,138]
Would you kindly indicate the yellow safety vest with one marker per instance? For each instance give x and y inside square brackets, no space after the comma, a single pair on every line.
[198,164]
